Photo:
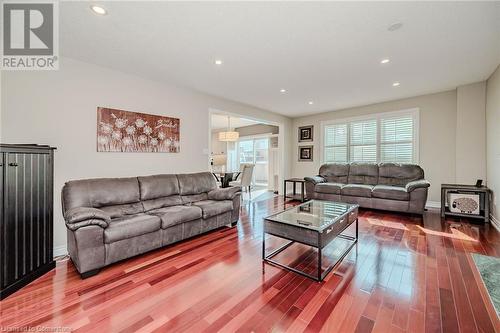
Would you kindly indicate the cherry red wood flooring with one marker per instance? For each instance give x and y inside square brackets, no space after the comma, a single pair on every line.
[407,274]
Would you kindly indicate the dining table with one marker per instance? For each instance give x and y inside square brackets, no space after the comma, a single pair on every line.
[226,177]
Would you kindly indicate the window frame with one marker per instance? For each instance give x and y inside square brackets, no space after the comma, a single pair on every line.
[413,112]
[347,142]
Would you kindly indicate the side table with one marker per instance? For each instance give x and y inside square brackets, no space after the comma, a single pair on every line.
[294,196]
[484,200]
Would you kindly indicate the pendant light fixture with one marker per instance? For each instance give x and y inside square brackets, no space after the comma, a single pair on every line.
[229,135]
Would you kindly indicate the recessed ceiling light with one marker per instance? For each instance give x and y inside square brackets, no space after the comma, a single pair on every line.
[395,26]
[98,10]
[385,61]
[310,102]
[218,62]
[282,91]
[395,84]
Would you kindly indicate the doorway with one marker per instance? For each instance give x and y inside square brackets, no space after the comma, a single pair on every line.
[256,152]
[257,143]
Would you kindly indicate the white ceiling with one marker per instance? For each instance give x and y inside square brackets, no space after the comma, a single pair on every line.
[327,52]
[220,122]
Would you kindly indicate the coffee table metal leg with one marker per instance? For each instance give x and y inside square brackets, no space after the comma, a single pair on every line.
[319,264]
[263,245]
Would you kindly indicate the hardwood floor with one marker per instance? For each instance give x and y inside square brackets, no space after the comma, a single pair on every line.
[405,275]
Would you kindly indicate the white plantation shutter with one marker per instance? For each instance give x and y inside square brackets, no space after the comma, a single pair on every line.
[385,137]
[396,140]
[363,141]
[335,143]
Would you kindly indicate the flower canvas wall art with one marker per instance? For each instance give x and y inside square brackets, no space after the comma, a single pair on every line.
[125,131]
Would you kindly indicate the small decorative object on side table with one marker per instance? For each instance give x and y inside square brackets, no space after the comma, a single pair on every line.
[468,201]
[301,197]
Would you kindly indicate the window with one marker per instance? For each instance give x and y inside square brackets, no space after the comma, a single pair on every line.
[256,151]
[336,143]
[396,140]
[385,137]
[363,141]
[246,151]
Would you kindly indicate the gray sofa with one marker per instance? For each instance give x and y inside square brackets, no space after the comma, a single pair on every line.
[386,186]
[111,219]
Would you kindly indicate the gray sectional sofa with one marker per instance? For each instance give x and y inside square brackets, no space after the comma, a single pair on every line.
[111,219]
[386,186]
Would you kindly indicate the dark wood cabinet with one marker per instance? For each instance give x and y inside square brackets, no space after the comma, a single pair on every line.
[26,214]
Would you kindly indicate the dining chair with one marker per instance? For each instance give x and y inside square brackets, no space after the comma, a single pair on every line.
[245,179]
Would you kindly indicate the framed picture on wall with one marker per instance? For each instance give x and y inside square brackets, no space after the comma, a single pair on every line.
[306,133]
[305,153]
[125,131]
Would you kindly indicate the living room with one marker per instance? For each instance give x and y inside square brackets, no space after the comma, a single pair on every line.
[250,166]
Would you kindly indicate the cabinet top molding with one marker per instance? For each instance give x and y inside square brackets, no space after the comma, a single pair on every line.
[24,147]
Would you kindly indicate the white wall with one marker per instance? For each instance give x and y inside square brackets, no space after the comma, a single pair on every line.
[493,140]
[257,129]
[438,114]
[59,108]
[218,147]
[471,133]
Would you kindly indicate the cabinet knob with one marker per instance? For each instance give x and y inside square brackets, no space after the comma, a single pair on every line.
[13,164]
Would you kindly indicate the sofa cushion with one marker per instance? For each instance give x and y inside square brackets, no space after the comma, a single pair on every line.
[188,199]
[335,172]
[363,173]
[328,188]
[158,186]
[174,215]
[100,192]
[390,192]
[228,193]
[115,211]
[399,174]
[131,226]
[173,200]
[213,208]
[196,183]
[357,190]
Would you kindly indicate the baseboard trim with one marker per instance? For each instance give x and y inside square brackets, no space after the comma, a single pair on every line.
[60,250]
[432,204]
[494,222]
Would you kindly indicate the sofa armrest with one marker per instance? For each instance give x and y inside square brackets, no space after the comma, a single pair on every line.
[83,216]
[227,193]
[315,180]
[421,183]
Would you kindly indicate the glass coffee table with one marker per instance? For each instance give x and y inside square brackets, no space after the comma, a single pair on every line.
[315,223]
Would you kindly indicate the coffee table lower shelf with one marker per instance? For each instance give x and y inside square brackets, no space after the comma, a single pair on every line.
[320,272]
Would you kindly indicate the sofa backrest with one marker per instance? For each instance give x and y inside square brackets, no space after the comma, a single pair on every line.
[335,172]
[195,186]
[159,191]
[126,196]
[399,174]
[394,174]
[114,195]
[363,173]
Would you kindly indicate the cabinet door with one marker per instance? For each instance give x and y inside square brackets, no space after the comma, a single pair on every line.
[27,222]
[3,270]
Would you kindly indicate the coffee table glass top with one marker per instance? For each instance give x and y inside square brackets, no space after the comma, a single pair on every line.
[315,214]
